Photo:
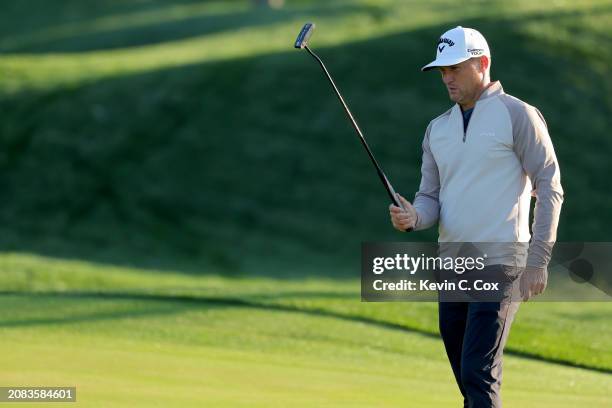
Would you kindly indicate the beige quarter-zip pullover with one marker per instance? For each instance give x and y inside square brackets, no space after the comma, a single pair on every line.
[477,183]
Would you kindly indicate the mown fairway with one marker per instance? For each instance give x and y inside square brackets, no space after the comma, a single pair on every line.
[183,199]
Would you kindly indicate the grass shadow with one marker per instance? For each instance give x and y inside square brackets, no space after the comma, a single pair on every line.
[191,302]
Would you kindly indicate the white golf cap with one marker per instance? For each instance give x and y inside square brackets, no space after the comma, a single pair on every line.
[458,45]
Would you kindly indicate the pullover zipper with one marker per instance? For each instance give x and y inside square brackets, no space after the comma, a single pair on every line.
[468,125]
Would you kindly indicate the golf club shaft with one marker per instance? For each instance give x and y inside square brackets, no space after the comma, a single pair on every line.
[381,174]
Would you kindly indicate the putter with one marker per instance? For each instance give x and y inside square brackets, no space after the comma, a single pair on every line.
[302,42]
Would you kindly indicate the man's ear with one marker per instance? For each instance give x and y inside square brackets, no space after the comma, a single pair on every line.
[484,63]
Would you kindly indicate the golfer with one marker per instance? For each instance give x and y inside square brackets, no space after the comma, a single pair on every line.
[483,159]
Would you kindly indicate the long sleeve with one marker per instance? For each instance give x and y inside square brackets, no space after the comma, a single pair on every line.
[426,201]
[534,148]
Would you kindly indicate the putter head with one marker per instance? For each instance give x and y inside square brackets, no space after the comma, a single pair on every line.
[304,36]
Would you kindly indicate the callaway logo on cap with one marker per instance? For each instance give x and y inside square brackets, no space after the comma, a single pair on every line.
[458,45]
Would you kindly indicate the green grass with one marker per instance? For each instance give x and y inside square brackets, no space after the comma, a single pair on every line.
[174,145]
[184,200]
[132,337]
[331,370]
[552,331]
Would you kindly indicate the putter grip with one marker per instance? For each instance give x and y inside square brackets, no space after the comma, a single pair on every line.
[398,204]
[392,194]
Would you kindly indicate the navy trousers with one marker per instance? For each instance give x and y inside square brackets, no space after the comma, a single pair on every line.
[474,335]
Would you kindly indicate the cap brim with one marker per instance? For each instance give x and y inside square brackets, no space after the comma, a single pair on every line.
[444,62]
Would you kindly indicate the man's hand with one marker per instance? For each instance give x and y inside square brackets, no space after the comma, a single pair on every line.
[533,282]
[403,218]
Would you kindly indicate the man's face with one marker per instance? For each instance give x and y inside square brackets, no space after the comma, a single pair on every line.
[464,80]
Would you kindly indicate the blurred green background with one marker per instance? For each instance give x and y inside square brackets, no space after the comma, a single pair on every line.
[184,199]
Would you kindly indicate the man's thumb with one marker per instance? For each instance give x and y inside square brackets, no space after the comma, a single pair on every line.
[405,203]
